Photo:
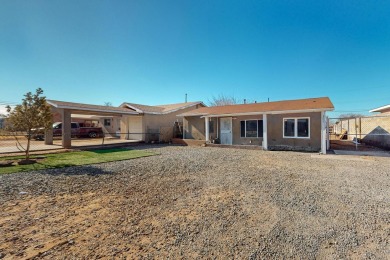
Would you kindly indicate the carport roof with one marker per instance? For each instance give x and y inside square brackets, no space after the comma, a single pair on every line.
[91,109]
[285,106]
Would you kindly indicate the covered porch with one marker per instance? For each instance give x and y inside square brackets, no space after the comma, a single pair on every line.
[287,130]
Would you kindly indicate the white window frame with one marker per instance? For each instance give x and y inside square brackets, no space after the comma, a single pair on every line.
[296,127]
[256,130]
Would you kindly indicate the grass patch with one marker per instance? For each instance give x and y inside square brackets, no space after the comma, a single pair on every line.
[60,160]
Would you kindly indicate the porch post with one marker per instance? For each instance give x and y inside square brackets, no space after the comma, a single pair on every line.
[323,133]
[207,124]
[184,128]
[265,137]
[66,129]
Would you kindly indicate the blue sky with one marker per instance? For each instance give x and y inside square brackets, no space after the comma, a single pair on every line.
[153,52]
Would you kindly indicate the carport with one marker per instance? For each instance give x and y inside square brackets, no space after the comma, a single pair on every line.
[66,109]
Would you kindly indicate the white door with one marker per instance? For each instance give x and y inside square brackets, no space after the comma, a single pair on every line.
[226,130]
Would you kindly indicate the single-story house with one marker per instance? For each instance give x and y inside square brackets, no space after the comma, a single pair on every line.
[281,125]
[129,121]
[384,110]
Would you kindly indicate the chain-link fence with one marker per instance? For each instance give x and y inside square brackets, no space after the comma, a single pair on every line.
[360,133]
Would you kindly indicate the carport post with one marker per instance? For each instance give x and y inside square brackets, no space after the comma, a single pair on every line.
[66,129]
[265,137]
[207,124]
[49,136]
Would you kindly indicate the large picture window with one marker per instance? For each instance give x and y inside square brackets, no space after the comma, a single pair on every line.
[252,128]
[296,127]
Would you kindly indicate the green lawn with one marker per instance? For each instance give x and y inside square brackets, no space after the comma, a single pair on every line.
[67,159]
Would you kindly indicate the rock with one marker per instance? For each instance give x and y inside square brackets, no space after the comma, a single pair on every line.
[27,162]
[6,163]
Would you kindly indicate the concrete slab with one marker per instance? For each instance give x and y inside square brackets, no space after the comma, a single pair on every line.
[343,157]
[363,153]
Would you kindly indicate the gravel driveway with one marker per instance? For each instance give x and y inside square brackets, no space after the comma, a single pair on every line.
[201,203]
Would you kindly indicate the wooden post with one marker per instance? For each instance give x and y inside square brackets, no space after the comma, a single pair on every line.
[323,133]
[265,135]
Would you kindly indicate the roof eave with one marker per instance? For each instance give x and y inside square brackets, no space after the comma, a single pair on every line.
[380,109]
[260,113]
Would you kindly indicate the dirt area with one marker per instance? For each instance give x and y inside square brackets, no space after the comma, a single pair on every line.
[200,203]
[351,146]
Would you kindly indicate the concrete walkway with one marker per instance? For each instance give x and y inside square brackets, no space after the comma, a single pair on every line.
[9,146]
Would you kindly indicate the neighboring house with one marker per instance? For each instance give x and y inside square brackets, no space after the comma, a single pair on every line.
[154,119]
[384,110]
[282,125]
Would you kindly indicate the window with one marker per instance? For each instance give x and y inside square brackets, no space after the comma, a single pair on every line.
[252,128]
[296,128]
[107,122]
[211,126]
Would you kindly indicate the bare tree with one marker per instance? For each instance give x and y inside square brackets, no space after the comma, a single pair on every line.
[108,104]
[223,100]
[350,115]
[32,114]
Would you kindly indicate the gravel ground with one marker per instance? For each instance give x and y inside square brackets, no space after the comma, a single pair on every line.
[201,203]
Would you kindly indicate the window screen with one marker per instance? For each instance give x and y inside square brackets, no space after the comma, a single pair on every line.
[289,126]
[303,127]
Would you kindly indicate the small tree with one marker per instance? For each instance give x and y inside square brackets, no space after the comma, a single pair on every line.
[222,100]
[32,114]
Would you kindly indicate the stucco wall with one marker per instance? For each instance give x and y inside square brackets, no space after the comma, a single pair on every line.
[237,139]
[164,123]
[194,128]
[275,133]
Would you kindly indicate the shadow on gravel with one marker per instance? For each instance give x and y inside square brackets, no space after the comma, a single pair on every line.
[76,170]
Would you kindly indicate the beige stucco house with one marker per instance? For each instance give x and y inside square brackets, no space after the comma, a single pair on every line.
[282,125]
[128,121]
[154,119]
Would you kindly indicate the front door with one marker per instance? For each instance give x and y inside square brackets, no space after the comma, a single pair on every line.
[226,130]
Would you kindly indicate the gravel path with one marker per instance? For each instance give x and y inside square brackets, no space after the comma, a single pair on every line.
[201,203]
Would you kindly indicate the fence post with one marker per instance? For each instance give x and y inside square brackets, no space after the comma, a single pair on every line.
[356,140]
[328,134]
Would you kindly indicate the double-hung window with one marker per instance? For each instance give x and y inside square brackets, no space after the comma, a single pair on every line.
[296,127]
[252,128]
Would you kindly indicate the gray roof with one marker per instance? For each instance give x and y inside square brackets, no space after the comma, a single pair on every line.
[160,109]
